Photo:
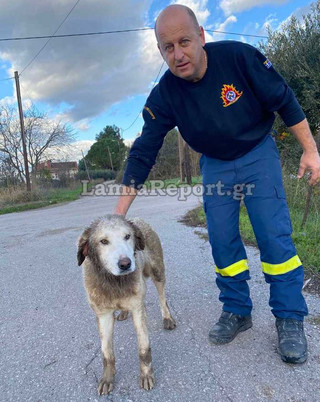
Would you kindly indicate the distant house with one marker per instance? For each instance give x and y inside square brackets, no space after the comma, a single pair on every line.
[57,169]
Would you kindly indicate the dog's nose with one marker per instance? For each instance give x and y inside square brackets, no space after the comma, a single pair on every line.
[124,263]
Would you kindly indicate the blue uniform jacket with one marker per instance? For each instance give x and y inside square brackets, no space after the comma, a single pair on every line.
[223,115]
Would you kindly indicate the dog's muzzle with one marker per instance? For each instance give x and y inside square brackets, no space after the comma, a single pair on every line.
[124,264]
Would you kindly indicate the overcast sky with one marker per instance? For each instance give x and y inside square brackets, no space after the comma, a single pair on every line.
[104,80]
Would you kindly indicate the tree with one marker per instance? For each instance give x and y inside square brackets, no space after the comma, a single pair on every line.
[8,174]
[167,163]
[41,135]
[295,53]
[82,166]
[109,150]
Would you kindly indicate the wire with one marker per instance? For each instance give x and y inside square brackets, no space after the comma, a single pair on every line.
[64,20]
[74,34]
[235,33]
[49,37]
[7,79]
[142,109]
[113,32]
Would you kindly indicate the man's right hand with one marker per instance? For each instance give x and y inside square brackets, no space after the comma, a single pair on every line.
[128,194]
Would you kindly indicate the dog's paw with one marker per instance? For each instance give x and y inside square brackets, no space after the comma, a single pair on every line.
[169,323]
[123,315]
[105,386]
[147,381]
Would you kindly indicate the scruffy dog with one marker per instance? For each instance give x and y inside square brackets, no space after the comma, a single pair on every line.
[117,255]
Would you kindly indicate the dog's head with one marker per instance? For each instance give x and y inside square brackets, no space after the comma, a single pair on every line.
[110,243]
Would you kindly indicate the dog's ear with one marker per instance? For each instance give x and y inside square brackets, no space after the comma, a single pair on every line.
[83,246]
[138,237]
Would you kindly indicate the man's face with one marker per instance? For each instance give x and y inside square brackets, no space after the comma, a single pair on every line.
[180,45]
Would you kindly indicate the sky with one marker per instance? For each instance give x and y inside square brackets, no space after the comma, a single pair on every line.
[93,81]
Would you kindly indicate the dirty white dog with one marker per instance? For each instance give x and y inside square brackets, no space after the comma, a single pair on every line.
[117,255]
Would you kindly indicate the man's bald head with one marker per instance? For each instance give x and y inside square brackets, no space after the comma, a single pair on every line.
[180,41]
[172,11]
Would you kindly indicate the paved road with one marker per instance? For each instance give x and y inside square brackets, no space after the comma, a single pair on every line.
[49,341]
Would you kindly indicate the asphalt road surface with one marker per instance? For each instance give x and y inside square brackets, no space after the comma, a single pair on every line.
[50,348]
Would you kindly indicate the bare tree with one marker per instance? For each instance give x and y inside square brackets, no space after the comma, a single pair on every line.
[7,172]
[42,134]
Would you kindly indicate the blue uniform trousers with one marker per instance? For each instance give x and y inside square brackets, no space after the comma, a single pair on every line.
[257,178]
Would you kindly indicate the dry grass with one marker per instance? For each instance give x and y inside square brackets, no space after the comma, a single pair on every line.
[18,195]
[16,198]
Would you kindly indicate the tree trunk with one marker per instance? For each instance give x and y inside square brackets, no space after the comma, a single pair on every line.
[187,163]
[181,158]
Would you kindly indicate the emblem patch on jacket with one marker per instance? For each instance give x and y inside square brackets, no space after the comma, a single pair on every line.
[267,63]
[229,95]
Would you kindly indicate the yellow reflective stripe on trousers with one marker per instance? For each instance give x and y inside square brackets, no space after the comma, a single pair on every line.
[233,269]
[283,268]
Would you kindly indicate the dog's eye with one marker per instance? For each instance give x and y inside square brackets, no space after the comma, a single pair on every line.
[104,241]
[127,237]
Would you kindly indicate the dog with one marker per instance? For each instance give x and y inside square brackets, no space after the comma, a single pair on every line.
[117,256]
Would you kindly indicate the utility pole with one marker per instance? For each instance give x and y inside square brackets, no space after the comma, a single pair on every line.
[184,161]
[181,158]
[187,164]
[85,165]
[25,156]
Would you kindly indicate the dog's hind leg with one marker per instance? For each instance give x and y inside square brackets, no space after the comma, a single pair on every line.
[146,370]
[106,324]
[157,273]
[168,320]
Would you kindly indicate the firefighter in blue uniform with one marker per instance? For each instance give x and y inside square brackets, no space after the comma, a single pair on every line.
[222,96]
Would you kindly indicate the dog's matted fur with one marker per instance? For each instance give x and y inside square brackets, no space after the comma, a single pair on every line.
[117,255]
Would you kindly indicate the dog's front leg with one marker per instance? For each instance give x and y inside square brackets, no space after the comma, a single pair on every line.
[146,370]
[106,324]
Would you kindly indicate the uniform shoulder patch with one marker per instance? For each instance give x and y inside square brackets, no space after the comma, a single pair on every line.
[229,94]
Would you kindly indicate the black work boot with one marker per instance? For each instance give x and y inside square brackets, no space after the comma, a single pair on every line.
[292,340]
[228,326]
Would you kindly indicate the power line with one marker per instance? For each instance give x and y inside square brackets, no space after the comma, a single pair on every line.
[235,33]
[142,109]
[113,32]
[33,59]
[132,122]
[49,37]
[7,79]
[74,34]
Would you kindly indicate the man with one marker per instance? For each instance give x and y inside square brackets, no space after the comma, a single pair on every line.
[222,96]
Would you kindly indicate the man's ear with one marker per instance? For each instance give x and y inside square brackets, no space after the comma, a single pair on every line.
[83,246]
[202,36]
